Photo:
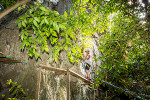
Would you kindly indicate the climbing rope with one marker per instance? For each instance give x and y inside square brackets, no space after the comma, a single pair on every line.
[13,59]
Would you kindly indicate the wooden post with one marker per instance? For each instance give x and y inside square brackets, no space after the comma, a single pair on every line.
[38,84]
[97,93]
[93,94]
[68,85]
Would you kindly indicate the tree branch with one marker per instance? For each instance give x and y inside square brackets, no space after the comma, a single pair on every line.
[8,10]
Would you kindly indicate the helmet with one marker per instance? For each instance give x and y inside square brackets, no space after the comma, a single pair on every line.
[87,49]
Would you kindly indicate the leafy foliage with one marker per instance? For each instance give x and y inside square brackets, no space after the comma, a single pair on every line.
[124,41]
[7,3]
[41,26]
[16,92]
[125,47]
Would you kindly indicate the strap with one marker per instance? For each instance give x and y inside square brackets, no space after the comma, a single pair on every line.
[87,65]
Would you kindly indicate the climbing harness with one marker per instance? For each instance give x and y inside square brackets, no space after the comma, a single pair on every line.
[87,65]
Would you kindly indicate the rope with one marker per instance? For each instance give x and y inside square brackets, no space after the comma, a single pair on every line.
[8,57]
[24,62]
[83,64]
[125,91]
[16,60]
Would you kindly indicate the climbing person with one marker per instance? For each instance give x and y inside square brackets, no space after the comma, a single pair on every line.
[87,66]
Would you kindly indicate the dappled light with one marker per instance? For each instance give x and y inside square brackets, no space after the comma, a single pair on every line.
[75,49]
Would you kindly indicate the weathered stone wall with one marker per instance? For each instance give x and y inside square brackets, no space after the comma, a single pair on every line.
[52,87]
[24,74]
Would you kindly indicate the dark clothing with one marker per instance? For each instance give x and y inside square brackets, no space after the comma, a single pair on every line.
[87,66]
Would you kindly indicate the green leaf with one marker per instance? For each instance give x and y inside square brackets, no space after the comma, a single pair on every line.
[30,55]
[42,22]
[66,47]
[25,20]
[30,20]
[14,92]
[62,26]
[11,88]
[47,34]
[54,40]
[9,81]
[3,95]
[54,34]
[23,23]
[19,25]
[33,51]
[23,44]
[19,8]
[65,13]
[55,59]
[71,12]
[35,23]
[56,27]
[36,56]
[63,34]
[46,21]
[19,86]
[43,8]
[46,49]
[42,47]
[36,19]
[23,6]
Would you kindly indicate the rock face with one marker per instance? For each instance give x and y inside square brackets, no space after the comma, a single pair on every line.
[52,87]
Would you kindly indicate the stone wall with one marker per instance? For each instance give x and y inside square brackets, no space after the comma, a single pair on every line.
[52,87]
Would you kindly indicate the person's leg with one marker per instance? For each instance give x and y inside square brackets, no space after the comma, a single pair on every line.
[88,75]
[86,72]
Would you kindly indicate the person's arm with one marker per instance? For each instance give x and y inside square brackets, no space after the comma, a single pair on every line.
[87,57]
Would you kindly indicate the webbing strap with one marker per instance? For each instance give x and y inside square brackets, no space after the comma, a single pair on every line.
[87,65]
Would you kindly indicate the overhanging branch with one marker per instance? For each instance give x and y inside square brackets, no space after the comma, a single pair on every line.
[13,7]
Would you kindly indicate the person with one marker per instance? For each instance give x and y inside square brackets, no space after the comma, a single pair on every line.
[87,66]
